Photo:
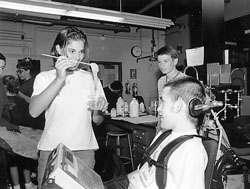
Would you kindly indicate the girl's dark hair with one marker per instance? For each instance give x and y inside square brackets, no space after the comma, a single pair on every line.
[11,84]
[2,57]
[67,34]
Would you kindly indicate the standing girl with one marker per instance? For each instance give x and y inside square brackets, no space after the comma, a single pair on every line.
[64,94]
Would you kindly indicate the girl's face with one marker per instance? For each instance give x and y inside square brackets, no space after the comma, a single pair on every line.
[74,50]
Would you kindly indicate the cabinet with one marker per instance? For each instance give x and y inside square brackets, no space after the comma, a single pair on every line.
[142,138]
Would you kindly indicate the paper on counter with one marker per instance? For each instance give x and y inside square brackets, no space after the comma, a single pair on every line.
[138,120]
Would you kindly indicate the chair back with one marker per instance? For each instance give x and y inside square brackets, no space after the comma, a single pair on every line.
[211,147]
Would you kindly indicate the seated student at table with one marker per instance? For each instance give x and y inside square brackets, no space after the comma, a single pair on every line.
[21,140]
[187,164]
[112,93]
[18,107]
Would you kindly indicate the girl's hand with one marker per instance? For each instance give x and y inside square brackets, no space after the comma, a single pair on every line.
[98,104]
[62,64]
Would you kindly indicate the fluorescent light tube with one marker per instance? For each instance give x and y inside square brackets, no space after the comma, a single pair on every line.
[31,8]
[50,8]
[94,16]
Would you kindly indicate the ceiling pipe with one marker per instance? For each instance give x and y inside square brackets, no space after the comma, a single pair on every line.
[150,5]
[116,28]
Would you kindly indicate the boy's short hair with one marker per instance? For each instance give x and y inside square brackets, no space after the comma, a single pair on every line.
[168,50]
[25,64]
[186,88]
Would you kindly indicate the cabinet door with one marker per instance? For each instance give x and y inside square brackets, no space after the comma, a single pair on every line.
[140,136]
[143,135]
[138,151]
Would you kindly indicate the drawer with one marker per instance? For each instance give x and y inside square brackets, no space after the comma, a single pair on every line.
[140,136]
[138,147]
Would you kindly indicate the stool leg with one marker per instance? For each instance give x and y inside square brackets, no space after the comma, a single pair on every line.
[130,153]
[4,168]
[107,138]
[118,143]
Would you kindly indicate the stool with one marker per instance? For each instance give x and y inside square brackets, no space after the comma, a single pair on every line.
[118,136]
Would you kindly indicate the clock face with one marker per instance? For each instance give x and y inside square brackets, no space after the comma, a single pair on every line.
[136,51]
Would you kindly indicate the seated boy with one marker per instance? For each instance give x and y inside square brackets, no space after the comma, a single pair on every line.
[187,164]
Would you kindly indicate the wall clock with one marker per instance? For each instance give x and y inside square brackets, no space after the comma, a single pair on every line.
[136,51]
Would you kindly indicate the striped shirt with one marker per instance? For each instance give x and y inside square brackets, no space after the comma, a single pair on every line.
[163,80]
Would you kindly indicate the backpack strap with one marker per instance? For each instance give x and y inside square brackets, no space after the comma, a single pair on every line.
[152,147]
[162,160]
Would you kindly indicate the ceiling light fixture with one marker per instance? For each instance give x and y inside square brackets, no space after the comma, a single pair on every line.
[230,43]
[31,8]
[69,10]
[247,31]
[86,15]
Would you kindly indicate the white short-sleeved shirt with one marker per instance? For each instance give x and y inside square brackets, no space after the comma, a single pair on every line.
[186,166]
[68,117]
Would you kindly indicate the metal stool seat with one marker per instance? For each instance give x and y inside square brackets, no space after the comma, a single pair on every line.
[118,136]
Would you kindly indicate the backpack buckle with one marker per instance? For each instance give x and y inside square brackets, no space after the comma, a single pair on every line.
[150,161]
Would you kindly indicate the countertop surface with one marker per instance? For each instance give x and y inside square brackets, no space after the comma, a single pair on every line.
[147,121]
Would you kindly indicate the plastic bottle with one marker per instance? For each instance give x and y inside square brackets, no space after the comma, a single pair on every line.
[142,109]
[125,107]
[134,108]
[120,106]
[9,186]
[113,112]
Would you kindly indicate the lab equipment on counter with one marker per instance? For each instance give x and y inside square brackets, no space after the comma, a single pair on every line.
[120,106]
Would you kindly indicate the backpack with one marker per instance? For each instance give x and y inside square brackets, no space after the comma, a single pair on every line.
[109,165]
[162,160]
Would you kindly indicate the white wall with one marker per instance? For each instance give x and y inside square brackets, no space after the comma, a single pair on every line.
[115,47]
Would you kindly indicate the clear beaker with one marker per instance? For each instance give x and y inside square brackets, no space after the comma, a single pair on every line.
[153,106]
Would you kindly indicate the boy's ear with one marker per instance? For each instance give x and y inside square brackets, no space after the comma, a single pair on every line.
[178,105]
[175,61]
[58,49]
